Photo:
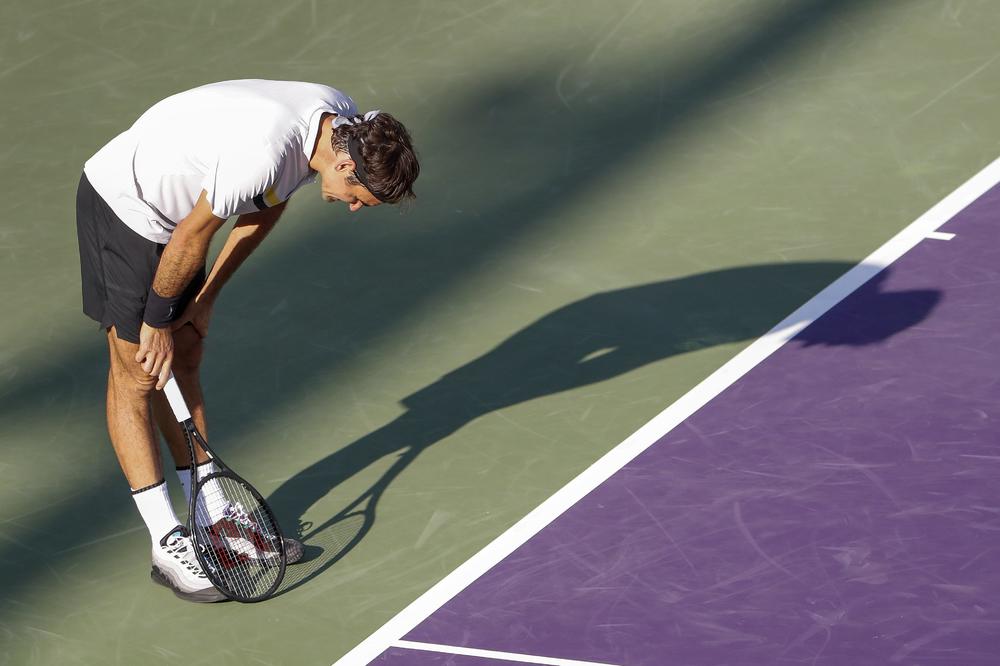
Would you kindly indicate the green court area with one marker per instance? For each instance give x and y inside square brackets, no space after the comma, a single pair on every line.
[615,199]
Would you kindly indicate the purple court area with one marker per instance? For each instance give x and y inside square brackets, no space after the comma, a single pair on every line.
[839,504]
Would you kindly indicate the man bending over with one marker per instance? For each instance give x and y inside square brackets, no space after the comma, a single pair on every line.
[148,205]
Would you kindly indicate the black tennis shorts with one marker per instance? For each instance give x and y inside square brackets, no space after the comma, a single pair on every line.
[117,266]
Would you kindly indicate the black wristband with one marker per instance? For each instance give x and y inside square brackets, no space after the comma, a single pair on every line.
[160,311]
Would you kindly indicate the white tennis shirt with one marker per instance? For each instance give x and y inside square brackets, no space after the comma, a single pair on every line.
[246,143]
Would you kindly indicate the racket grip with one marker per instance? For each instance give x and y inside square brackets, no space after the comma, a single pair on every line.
[176,400]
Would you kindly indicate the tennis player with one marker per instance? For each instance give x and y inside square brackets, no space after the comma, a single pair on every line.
[148,205]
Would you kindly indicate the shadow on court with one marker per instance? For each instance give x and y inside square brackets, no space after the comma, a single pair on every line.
[591,340]
[511,167]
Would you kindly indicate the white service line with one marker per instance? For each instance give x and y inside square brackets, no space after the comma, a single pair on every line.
[940,235]
[493,654]
[422,607]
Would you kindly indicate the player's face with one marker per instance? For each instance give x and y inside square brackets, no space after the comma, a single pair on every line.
[335,187]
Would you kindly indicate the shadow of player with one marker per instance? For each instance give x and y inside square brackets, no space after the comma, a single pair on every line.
[588,341]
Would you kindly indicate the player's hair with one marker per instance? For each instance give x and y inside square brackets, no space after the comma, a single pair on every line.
[387,151]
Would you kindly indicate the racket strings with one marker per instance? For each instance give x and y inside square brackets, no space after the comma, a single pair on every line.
[237,538]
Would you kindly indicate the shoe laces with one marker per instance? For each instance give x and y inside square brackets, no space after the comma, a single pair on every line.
[179,547]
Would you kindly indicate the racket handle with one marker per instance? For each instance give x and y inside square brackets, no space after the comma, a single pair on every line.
[176,400]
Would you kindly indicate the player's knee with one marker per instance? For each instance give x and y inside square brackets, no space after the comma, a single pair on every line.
[137,384]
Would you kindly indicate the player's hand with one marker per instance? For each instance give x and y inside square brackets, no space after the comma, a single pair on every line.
[198,313]
[156,352]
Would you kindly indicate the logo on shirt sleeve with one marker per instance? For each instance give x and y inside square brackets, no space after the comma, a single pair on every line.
[267,199]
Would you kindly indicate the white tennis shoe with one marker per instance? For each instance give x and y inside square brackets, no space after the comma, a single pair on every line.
[175,566]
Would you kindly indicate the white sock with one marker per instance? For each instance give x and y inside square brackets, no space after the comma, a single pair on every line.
[154,506]
[211,502]
[184,474]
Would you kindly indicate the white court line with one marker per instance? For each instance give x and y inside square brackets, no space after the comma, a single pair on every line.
[493,654]
[940,235]
[665,421]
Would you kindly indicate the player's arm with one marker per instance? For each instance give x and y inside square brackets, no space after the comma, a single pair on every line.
[183,256]
[247,234]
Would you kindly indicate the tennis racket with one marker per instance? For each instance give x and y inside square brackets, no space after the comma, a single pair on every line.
[236,537]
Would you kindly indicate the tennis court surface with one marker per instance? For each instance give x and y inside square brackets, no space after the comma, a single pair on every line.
[617,203]
[835,504]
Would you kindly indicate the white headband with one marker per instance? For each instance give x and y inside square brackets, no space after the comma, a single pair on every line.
[356,120]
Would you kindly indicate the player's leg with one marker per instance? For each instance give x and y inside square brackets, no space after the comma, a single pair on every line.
[188,352]
[131,428]
[133,437]
[129,425]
